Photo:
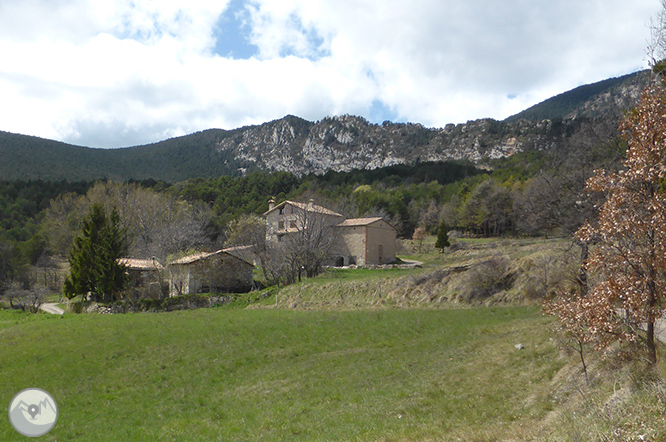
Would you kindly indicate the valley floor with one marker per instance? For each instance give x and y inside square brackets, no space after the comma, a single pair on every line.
[363,354]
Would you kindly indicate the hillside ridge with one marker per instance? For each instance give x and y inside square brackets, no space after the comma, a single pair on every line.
[338,143]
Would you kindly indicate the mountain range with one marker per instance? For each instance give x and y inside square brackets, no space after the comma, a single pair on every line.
[339,143]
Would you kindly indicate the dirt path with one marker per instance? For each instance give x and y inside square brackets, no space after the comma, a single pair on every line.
[52,308]
[411,263]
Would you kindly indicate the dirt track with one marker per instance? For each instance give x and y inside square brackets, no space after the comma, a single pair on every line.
[52,308]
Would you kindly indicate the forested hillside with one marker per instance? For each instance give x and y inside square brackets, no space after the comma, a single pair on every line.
[32,158]
[607,98]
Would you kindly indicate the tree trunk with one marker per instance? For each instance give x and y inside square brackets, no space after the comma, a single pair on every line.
[582,275]
[652,349]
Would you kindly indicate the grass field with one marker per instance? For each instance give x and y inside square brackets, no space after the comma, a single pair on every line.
[236,374]
[351,355]
[532,267]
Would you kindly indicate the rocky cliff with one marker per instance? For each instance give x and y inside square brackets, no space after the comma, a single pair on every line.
[346,142]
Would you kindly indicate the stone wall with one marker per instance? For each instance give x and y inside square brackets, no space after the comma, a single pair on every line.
[380,243]
[217,273]
[361,245]
[351,247]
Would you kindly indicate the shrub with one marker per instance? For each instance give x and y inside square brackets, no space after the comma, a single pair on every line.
[487,278]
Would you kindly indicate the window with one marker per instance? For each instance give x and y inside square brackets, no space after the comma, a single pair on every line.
[281,210]
[292,224]
[279,238]
[281,225]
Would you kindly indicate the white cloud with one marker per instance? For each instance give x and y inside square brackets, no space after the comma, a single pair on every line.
[127,72]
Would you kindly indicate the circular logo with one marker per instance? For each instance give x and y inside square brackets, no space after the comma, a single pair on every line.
[33,412]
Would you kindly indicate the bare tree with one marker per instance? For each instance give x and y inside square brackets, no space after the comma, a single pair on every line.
[157,224]
[303,235]
[247,230]
[657,44]
[430,217]
[419,236]
[310,246]
[24,299]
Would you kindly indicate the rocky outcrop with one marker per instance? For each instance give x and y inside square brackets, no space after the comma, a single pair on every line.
[347,142]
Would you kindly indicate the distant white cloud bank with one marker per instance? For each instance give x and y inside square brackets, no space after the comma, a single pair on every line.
[123,73]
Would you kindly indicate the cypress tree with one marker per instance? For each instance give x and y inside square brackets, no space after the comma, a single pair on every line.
[442,237]
[93,261]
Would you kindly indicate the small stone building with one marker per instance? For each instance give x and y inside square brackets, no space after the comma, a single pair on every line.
[214,272]
[365,241]
[145,275]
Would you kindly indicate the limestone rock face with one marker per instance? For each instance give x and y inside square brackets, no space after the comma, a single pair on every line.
[347,142]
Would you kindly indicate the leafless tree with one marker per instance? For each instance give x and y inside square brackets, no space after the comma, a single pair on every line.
[657,45]
[430,217]
[308,248]
[247,230]
[157,224]
[419,236]
[24,299]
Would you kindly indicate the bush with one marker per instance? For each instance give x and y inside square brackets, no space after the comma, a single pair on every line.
[24,299]
[487,278]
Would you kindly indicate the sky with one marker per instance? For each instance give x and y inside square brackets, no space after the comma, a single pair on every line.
[103,73]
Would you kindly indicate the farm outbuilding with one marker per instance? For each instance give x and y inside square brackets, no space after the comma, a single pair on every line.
[210,272]
[365,241]
[146,275]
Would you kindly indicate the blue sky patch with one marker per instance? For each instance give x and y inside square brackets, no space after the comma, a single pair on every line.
[232,33]
[380,112]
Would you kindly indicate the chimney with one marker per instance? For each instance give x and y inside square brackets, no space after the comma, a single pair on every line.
[271,204]
[311,204]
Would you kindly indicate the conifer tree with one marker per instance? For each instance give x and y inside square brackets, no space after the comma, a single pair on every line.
[94,265]
[442,236]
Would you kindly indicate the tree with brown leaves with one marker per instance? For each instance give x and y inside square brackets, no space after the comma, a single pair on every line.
[629,253]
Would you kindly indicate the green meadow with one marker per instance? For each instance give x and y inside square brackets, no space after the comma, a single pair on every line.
[229,374]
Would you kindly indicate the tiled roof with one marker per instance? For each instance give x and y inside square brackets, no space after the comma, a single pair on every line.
[237,249]
[359,221]
[189,259]
[140,264]
[305,206]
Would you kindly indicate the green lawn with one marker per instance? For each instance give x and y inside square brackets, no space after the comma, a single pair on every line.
[274,375]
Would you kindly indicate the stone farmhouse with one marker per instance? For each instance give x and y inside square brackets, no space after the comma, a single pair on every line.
[358,241]
[209,272]
[145,274]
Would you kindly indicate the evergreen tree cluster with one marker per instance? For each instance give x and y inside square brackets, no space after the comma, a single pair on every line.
[94,259]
